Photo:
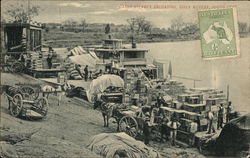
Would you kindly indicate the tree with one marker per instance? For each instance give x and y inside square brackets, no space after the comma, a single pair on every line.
[70,25]
[177,23]
[69,22]
[139,25]
[20,14]
[83,24]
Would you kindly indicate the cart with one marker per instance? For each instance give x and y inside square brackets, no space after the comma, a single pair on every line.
[20,103]
[128,122]
[129,119]
[12,64]
[21,46]
[29,91]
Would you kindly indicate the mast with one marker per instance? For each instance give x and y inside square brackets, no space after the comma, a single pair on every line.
[28,11]
[170,71]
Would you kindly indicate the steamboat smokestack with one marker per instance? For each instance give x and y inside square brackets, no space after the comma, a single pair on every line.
[133,43]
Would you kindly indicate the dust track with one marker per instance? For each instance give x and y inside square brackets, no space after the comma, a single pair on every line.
[65,131]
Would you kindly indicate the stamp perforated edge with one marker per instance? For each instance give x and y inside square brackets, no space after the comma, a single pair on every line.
[236,29]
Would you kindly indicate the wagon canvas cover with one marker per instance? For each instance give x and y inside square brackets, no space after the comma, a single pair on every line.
[98,85]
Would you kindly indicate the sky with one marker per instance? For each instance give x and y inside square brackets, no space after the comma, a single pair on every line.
[160,13]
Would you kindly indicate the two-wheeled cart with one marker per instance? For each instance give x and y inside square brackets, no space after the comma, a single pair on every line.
[24,101]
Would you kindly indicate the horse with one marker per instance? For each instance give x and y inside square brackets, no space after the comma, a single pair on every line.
[106,109]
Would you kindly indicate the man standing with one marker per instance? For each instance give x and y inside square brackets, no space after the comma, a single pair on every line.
[86,72]
[210,121]
[159,100]
[100,73]
[146,128]
[164,128]
[220,117]
[193,130]
[49,60]
[78,69]
[173,125]
[229,110]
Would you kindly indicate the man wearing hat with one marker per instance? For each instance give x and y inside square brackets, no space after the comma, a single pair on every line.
[146,128]
[173,125]
[220,117]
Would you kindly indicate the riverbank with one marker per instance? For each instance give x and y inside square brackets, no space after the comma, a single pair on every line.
[64,132]
[211,73]
[59,39]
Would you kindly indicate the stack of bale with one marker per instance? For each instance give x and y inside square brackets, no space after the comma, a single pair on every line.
[72,72]
[56,61]
[36,60]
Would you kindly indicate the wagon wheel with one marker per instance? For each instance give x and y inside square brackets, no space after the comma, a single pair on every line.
[128,125]
[17,105]
[9,68]
[17,67]
[201,146]
[9,63]
[29,93]
[42,106]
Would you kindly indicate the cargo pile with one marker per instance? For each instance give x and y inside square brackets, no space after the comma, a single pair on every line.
[36,60]
[135,85]
[192,109]
[170,89]
[72,72]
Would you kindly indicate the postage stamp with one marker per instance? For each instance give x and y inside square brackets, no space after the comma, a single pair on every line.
[219,33]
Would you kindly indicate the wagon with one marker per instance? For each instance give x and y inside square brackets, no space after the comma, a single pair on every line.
[13,64]
[130,120]
[21,47]
[129,123]
[29,91]
[20,103]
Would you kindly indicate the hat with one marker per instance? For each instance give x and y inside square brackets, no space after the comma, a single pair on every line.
[147,114]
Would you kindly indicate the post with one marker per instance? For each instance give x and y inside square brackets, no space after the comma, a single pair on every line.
[227,92]
[194,83]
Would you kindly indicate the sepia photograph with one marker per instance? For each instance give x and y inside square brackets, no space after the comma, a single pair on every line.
[125,79]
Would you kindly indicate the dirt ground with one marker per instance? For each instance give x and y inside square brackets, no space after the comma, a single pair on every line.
[65,131]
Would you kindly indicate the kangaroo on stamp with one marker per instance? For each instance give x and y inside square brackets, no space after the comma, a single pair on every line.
[219,33]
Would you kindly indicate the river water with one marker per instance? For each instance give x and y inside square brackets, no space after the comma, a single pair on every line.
[186,62]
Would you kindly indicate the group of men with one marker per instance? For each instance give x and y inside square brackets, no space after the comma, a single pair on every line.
[170,125]
[87,74]
[220,119]
[168,129]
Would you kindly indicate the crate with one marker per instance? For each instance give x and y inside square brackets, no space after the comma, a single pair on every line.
[183,136]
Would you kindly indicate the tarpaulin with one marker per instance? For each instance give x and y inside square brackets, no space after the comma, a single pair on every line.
[98,85]
[110,144]
[93,55]
[234,137]
[83,57]
[77,51]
